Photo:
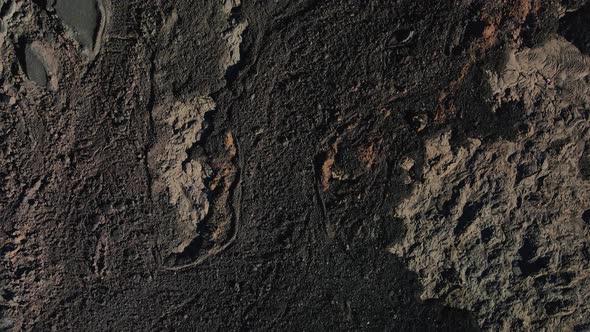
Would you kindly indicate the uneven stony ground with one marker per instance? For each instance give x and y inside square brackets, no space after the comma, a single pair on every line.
[295,165]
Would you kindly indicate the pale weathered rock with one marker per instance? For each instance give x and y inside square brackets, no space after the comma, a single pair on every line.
[497,228]
[175,174]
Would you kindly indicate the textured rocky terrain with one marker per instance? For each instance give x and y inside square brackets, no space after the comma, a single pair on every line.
[295,165]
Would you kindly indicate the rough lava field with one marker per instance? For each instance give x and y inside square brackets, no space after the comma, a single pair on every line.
[295,165]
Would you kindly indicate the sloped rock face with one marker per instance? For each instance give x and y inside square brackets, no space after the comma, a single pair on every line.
[294,165]
[501,228]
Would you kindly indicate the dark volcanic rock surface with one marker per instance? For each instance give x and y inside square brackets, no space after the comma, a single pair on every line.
[294,165]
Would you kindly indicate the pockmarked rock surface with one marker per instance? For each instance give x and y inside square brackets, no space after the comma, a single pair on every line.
[294,165]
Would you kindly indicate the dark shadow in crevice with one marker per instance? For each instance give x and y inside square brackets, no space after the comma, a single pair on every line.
[575,27]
